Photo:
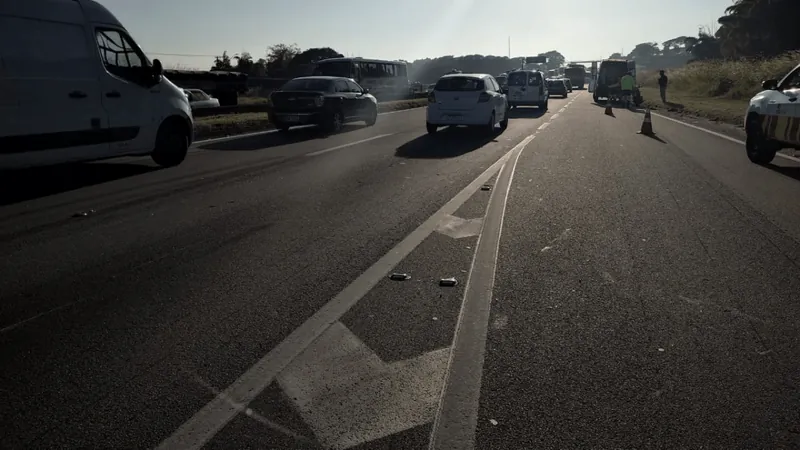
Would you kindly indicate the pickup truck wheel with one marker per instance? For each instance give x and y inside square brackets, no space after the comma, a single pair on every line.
[172,143]
[759,149]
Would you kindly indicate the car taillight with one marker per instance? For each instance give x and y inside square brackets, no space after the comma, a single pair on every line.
[319,101]
[484,97]
[432,97]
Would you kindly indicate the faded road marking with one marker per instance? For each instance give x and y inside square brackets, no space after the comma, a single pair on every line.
[349,144]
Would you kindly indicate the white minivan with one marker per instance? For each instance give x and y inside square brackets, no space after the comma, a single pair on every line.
[527,88]
[74,86]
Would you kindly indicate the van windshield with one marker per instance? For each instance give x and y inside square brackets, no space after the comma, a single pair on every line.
[459,84]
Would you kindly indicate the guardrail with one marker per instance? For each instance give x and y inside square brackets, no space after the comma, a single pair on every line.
[257,108]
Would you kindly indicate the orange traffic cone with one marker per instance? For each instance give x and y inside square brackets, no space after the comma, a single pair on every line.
[609,111]
[647,125]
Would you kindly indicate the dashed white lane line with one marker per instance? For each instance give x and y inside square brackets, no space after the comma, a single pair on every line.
[554,117]
[563,109]
[543,126]
[209,420]
[720,135]
[349,144]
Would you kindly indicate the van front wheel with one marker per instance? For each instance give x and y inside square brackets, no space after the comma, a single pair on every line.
[172,144]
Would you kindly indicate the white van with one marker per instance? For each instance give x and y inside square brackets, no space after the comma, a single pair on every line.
[74,86]
[527,88]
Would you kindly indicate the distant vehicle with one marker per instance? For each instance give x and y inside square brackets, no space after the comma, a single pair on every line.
[772,118]
[385,79]
[608,78]
[576,74]
[467,99]
[527,88]
[223,85]
[77,87]
[199,99]
[558,86]
[329,102]
[503,81]
[567,82]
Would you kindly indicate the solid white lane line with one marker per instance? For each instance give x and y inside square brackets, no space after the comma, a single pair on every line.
[210,419]
[349,144]
[720,135]
[457,415]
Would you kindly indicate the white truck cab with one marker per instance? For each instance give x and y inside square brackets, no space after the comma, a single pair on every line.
[772,121]
[74,86]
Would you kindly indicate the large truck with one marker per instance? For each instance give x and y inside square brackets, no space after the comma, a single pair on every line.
[225,86]
[576,74]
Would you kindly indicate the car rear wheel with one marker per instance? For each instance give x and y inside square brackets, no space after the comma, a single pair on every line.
[431,128]
[504,122]
[492,122]
[335,122]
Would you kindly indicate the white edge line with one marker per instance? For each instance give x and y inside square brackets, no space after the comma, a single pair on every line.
[349,144]
[720,135]
[437,417]
[257,133]
[209,420]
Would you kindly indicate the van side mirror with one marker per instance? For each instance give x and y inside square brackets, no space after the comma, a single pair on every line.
[769,85]
[158,69]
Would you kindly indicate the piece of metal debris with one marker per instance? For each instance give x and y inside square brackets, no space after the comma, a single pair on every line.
[399,276]
[84,213]
[486,187]
[448,282]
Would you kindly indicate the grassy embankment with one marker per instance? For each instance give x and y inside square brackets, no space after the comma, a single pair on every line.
[715,90]
[232,124]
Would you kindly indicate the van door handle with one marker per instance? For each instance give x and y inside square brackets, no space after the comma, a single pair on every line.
[77,94]
[113,94]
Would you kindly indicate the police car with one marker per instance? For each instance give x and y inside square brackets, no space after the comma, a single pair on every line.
[773,118]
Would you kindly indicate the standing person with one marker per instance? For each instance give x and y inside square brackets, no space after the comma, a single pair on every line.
[626,84]
[662,85]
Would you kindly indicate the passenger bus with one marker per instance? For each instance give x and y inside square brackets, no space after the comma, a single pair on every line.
[386,80]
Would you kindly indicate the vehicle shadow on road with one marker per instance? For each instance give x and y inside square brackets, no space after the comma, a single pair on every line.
[526,113]
[446,143]
[789,171]
[28,184]
[274,139]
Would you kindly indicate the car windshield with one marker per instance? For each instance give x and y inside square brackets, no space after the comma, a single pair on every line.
[307,84]
[460,84]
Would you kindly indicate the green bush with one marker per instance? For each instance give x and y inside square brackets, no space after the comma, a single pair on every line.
[731,79]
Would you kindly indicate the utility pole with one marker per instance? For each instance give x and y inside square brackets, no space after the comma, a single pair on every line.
[509,47]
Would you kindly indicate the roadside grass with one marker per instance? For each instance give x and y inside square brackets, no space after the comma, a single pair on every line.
[233,124]
[718,90]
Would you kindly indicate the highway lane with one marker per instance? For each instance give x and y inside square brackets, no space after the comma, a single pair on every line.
[119,324]
[647,294]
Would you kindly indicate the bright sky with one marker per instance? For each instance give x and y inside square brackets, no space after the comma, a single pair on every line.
[407,29]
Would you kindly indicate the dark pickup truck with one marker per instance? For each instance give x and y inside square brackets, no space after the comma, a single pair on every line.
[329,102]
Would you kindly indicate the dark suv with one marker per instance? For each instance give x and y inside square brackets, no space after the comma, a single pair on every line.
[329,102]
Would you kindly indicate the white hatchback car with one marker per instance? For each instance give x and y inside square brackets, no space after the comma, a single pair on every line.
[467,99]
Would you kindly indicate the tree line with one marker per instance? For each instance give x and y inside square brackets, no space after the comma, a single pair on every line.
[748,28]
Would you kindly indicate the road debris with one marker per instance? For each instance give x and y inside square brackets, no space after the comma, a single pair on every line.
[448,282]
[399,276]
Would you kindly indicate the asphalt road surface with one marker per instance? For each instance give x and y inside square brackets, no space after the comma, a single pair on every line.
[612,290]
